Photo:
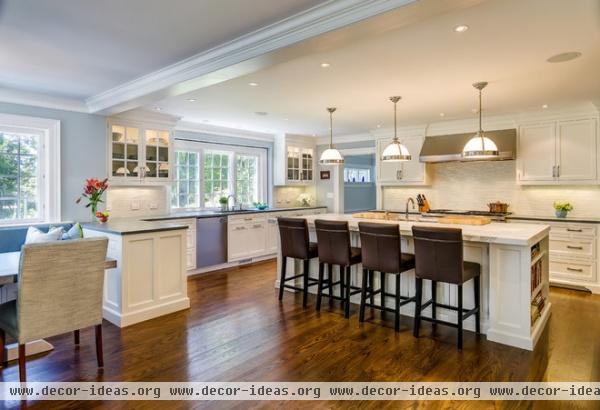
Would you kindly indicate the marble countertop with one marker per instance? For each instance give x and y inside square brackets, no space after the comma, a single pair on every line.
[521,234]
[216,213]
[130,226]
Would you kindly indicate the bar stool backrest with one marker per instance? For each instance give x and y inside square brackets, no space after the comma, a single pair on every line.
[380,245]
[333,242]
[438,254]
[294,237]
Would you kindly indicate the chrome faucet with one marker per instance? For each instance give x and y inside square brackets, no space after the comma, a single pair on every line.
[409,200]
[233,208]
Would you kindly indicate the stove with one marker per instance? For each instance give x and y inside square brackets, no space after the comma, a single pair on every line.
[494,216]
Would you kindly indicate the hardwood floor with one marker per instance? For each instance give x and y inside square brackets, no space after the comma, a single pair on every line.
[236,330]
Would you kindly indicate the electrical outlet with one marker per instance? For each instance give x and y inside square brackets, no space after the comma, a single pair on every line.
[135,205]
[153,205]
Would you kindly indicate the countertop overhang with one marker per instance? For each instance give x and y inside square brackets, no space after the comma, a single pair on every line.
[131,226]
[521,234]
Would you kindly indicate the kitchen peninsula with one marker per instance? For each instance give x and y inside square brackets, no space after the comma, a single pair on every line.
[514,261]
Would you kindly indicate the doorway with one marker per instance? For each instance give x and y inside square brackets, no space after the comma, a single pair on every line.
[359,183]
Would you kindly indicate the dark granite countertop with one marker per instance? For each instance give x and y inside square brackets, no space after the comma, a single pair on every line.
[216,213]
[130,226]
[553,218]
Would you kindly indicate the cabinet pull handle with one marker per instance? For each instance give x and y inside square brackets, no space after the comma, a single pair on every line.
[558,171]
[240,228]
[575,247]
[257,226]
[574,230]
[574,270]
[247,219]
[399,174]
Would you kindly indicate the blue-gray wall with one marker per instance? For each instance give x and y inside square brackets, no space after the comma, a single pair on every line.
[221,139]
[83,151]
[360,197]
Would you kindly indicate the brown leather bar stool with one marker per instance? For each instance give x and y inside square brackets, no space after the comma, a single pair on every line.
[381,252]
[439,258]
[333,242]
[295,244]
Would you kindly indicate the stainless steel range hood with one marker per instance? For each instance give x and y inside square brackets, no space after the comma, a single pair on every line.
[448,148]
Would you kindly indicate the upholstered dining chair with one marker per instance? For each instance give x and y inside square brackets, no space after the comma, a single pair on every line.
[60,289]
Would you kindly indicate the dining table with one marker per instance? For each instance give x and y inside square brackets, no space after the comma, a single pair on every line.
[9,273]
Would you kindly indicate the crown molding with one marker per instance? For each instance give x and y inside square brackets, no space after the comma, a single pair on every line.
[224,131]
[41,100]
[312,22]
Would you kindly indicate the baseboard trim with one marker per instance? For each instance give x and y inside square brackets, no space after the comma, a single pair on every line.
[131,318]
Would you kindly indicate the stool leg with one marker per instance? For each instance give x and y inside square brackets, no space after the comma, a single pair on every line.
[363,295]
[382,294]
[330,282]
[460,317]
[434,300]
[418,296]
[372,286]
[342,287]
[347,301]
[397,318]
[305,283]
[320,286]
[282,278]
[477,289]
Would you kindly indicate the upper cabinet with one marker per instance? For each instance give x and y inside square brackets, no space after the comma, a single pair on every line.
[293,160]
[558,152]
[411,172]
[139,153]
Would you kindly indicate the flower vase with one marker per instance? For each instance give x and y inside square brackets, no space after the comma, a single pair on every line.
[560,213]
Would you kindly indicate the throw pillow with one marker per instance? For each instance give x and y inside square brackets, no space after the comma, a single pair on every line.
[34,235]
[76,232]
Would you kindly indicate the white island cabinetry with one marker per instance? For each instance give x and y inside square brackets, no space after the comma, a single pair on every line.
[150,278]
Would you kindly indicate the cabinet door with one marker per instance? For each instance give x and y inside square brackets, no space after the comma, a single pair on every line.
[389,172]
[537,152]
[306,174]
[124,152]
[293,164]
[413,170]
[272,234]
[257,238]
[157,155]
[577,150]
[238,236]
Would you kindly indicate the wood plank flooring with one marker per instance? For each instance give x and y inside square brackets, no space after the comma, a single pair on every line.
[236,330]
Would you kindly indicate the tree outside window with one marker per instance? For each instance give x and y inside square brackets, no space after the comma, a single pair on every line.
[216,177]
[187,176]
[246,179]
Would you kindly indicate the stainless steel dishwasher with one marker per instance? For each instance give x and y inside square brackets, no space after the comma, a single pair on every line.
[211,241]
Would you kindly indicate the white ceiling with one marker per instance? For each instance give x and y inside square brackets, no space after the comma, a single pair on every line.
[75,49]
[428,64]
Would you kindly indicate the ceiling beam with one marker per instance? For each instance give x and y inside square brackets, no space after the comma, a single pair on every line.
[237,57]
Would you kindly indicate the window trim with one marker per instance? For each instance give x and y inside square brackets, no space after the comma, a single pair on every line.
[50,185]
[200,147]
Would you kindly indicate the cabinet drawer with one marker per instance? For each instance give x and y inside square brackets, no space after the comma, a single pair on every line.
[574,231]
[576,271]
[246,218]
[573,248]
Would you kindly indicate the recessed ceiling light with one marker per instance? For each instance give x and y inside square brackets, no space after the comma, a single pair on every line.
[191,99]
[325,65]
[562,57]
[545,106]
[253,84]
[261,113]
[157,108]
[442,114]
[461,28]
[378,125]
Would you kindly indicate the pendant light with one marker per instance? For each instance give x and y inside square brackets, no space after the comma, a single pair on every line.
[480,146]
[331,156]
[395,151]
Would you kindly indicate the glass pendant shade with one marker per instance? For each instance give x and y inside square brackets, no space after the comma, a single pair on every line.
[480,146]
[395,151]
[331,156]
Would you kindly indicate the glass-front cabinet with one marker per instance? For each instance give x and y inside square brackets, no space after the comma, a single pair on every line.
[139,153]
[299,164]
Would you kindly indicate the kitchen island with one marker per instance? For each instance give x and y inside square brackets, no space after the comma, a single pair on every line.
[514,261]
[150,279]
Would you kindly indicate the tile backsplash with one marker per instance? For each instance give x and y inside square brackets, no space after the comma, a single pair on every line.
[284,197]
[473,185]
[137,201]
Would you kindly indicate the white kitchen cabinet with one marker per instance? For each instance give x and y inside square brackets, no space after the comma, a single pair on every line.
[411,172]
[293,160]
[138,152]
[272,237]
[246,236]
[558,152]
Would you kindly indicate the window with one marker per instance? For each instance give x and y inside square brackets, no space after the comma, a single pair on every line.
[357,175]
[223,170]
[29,169]
[187,177]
